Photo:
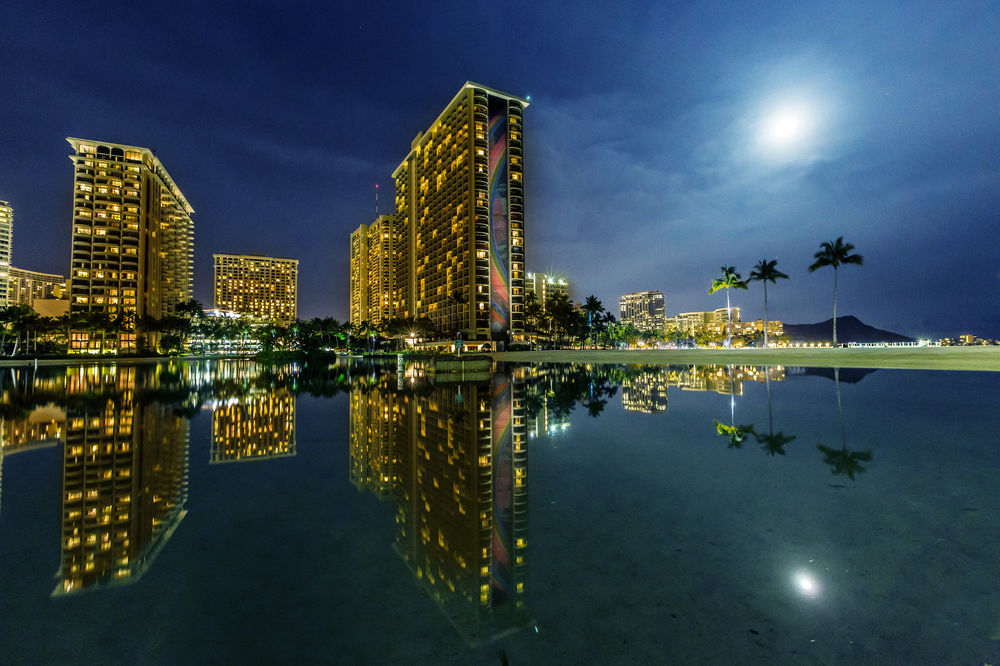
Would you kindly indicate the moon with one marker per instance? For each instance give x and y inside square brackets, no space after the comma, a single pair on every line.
[786,127]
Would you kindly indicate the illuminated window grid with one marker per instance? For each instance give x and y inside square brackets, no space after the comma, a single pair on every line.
[256,286]
[443,198]
[126,207]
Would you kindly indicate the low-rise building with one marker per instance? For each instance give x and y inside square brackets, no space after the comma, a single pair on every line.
[544,286]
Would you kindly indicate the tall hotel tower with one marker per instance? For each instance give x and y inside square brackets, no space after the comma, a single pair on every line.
[132,239]
[6,236]
[373,271]
[458,241]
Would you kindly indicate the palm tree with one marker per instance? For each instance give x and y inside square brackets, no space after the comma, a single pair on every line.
[730,280]
[834,254]
[593,307]
[765,272]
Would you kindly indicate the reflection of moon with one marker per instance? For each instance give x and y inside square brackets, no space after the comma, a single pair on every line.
[806,584]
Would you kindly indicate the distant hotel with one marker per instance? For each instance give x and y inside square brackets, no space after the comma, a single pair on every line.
[256,286]
[6,237]
[544,286]
[717,321]
[455,248]
[373,271]
[45,293]
[132,239]
[644,310]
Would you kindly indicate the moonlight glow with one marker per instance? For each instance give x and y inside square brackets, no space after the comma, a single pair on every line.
[787,126]
[806,584]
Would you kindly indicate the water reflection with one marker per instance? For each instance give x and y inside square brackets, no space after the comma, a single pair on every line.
[843,461]
[253,427]
[124,481]
[451,455]
[454,459]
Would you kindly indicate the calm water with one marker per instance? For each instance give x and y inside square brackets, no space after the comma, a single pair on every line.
[225,512]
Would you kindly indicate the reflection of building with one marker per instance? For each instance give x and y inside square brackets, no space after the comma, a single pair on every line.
[256,286]
[124,489]
[721,378]
[373,271]
[6,242]
[646,393]
[459,255]
[458,470]
[44,426]
[643,309]
[132,239]
[254,427]
[375,418]
[544,286]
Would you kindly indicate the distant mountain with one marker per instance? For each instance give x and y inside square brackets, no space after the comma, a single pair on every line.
[849,329]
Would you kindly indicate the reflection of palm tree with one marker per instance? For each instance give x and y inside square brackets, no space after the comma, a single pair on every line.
[735,433]
[765,272]
[730,280]
[773,444]
[844,460]
[835,253]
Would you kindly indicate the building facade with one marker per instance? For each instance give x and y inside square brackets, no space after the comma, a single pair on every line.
[26,287]
[459,223]
[132,240]
[256,286]
[6,246]
[373,271]
[644,310]
[544,286]
[359,275]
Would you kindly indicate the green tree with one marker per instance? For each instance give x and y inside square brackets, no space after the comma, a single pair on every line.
[730,280]
[835,253]
[594,309]
[563,317]
[765,272]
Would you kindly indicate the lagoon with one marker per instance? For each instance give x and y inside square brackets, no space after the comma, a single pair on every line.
[366,513]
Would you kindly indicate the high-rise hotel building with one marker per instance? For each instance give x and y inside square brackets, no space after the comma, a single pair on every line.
[458,232]
[373,271]
[257,286]
[132,239]
[6,239]
[644,310]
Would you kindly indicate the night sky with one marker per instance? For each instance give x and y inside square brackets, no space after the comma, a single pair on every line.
[663,141]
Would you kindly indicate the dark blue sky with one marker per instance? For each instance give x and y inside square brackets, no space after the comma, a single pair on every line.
[663,140]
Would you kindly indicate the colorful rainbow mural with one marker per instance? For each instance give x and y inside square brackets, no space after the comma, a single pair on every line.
[499,243]
[501,573]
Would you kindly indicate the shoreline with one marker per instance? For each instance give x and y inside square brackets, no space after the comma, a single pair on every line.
[985,359]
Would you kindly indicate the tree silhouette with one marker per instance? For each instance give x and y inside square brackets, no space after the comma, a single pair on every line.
[835,253]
